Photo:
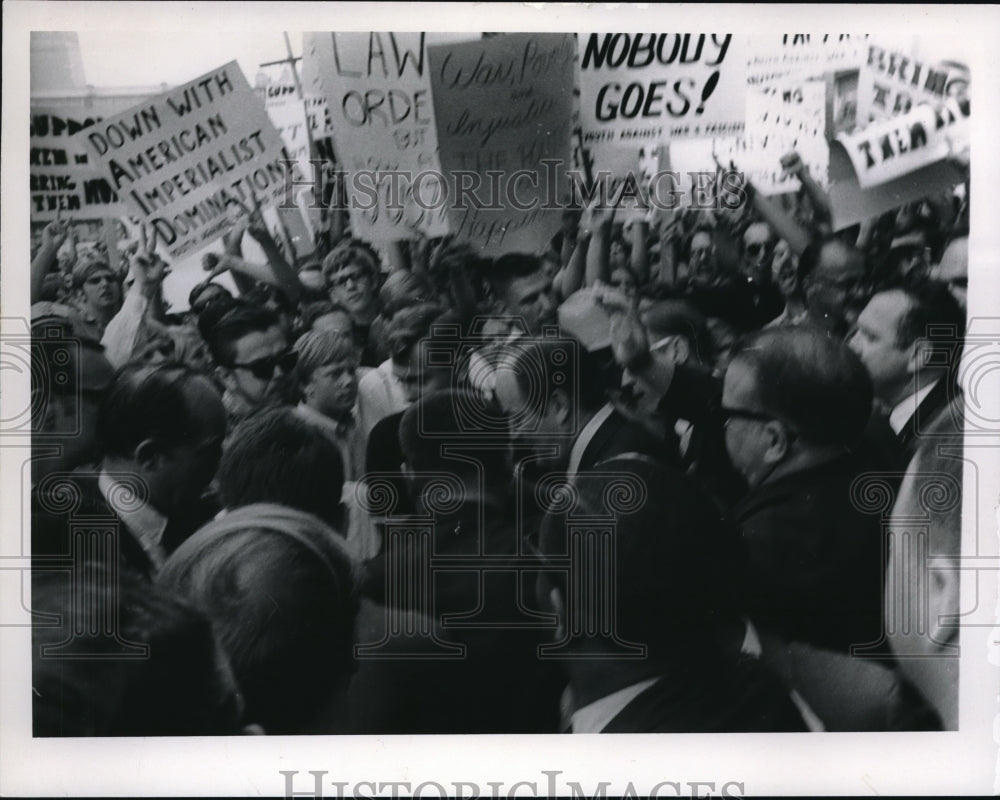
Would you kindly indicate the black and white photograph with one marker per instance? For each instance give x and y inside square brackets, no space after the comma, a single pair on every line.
[399,398]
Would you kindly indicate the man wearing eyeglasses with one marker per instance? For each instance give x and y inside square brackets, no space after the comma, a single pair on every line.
[352,273]
[255,361]
[791,409]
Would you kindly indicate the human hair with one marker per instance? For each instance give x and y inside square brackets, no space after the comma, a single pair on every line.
[812,256]
[320,308]
[201,288]
[510,267]
[87,267]
[409,326]
[932,305]
[147,401]
[352,251]
[235,323]
[318,349]
[404,288]
[276,456]
[670,543]
[813,382]
[180,685]
[280,589]
[442,413]
[542,366]
[677,317]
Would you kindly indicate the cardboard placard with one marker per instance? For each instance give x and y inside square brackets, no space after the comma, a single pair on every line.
[378,92]
[63,177]
[895,162]
[503,107]
[181,160]
[646,88]
[902,145]
[780,56]
[891,83]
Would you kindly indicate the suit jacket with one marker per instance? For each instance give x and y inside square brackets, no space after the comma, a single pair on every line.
[710,697]
[616,436]
[886,450]
[514,691]
[52,518]
[813,563]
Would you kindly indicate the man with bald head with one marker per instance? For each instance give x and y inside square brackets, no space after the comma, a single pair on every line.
[833,277]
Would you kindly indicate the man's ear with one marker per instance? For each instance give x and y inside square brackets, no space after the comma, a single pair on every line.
[917,359]
[680,350]
[777,443]
[148,455]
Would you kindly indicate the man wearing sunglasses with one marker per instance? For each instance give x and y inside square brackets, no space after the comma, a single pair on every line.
[255,361]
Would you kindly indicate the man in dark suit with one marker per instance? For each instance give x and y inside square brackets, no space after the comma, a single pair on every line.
[909,340]
[461,493]
[555,393]
[665,654]
[791,410]
[160,429]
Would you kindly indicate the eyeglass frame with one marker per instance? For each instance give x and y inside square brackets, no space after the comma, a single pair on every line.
[289,357]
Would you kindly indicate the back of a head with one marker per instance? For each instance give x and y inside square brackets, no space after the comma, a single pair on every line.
[276,456]
[435,422]
[233,324]
[279,587]
[409,326]
[147,401]
[63,365]
[544,365]
[933,311]
[813,382]
[404,288]
[181,686]
[511,267]
[673,556]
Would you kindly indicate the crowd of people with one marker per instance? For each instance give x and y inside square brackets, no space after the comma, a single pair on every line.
[380,490]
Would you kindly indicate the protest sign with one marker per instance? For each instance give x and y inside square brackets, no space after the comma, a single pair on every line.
[287,112]
[783,116]
[892,82]
[379,95]
[895,161]
[62,175]
[183,160]
[503,107]
[895,147]
[781,56]
[646,88]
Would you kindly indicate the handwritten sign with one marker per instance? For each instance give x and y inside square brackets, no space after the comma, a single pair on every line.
[183,160]
[891,83]
[63,177]
[896,161]
[781,117]
[802,55]
[287,112]
[504,109]
[379,94]
[653,87]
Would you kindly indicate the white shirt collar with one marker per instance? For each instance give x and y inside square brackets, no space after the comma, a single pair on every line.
[908,407]
[595,717]
[144,522]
